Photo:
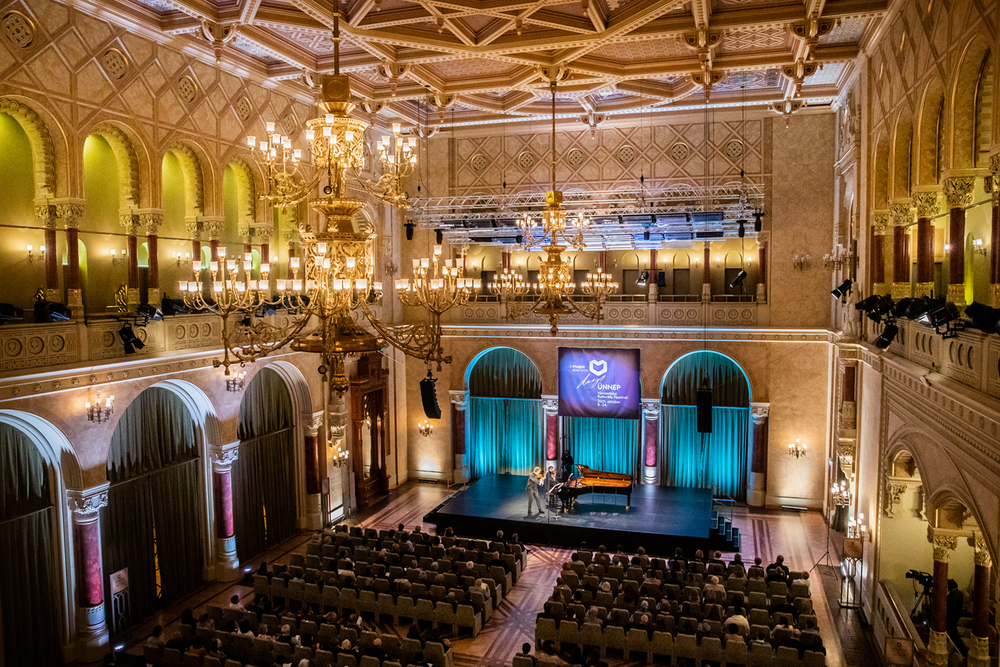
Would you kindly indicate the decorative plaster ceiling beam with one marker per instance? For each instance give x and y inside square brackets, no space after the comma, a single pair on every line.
[426,78]
[281,48]
[282,18]
[701,12]
[248,10]
[179,24]
[393,17]
[494,30]
[597,15]
[550,19]
[359,11]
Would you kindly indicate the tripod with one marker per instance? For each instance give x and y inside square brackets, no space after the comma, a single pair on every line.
[826,554]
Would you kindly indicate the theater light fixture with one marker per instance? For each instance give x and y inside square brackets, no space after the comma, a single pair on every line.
[880,308]
[797,449]
[900,308]
[149,312]
[917,308]
[10,313]
[100,411]
[943,316]
[425,428]
[758,223]
[643,278]
[738,280]
[983,317]
[887,336]
[50,311]
[842,290]
[129,340]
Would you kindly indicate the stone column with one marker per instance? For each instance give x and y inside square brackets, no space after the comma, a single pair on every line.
[313,475]
[901,217]
[937,645]
[757,486]
[48,216]
[227,562]
[653,291]
[213,227]
[761,268]
[151,221]
[979,642]
[91,626]
[958,192]
[263,236]
[459,400]
[926,204]
[130,221]
[651,440]
[706,274]
[550,410]
[70,214]
[994,182]
[880,223]
[193,227]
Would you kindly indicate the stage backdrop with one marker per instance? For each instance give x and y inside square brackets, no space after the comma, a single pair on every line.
[503,427]
[699,460]
[599,382]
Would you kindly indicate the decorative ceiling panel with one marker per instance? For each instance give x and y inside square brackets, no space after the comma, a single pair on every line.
[827,76]
[762,38]
[472,68]
[255,50]
[848,31]
[646,50]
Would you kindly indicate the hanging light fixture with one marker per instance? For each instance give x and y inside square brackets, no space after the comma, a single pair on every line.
[100,411]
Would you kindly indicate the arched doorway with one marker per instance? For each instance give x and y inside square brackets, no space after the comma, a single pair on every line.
[504,416]
[264,511]
[152,526]
[30,599]
[699,460]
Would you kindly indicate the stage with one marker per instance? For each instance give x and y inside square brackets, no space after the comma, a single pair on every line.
[659,519]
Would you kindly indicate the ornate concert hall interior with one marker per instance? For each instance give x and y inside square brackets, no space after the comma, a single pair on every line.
[280,276]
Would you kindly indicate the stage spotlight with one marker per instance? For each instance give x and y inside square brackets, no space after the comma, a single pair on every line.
[149,312]
[881,307]
[10,313]
[941,314]
[982,317]
[173,306]
[842,290]
[887,336]
[900,308]
[866,304]
[438,236]
[757,222]
[738,280]
[410,226]
[129,341]
[50,311]
[918,307]
[643,278]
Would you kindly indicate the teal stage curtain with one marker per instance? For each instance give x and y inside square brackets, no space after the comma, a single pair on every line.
[729,384]
[611,445]
[504,372]
[503,435]
[699,460]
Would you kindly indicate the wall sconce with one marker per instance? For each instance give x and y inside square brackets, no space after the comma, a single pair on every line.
[857,528]
[41,253]
[236,381]
[978,247]
[338,454]
[99,411]
[839,258]
[117,258]
[801,262]
[718,261]
[425,428]
[182,259]
[841,493]
[797,449]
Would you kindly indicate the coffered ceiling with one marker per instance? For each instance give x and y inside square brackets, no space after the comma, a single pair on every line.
[470,61]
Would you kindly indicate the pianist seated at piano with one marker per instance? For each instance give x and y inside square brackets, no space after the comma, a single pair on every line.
[588,480]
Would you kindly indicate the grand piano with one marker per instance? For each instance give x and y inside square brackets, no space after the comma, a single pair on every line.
[588,480]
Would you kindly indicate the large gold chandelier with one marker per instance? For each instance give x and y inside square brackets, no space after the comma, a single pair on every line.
[332,295]
[555,231]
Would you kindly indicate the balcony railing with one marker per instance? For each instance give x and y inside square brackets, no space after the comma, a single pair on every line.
[693,313]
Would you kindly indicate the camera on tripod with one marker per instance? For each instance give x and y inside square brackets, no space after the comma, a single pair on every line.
[925,579]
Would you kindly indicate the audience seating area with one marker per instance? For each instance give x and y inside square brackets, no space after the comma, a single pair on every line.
[599,601]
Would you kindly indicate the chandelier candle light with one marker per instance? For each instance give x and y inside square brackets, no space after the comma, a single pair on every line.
[797,449]
[100,412]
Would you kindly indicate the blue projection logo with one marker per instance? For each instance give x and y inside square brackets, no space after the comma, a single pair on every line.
[595,382]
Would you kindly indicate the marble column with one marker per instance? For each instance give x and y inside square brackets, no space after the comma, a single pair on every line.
[937,644]
[761,268]
[48,217]
[880,223]
[958,192]
[994,182]
[979,642]
[706,274]
[926,204]
[901,217]
[213,227]
[91,627]
[227,562]
[130,221]
[651,440]
[313,476]
[71,214]
[653,291]
[459,400]
[550,410]
[152,220]
[757,484]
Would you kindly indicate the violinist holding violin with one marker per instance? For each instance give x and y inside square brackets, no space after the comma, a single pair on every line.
[536,480]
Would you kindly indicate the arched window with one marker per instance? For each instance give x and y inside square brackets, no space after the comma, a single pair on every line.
[504,418]
[152,524]
[264,473]
[29,601]
[698,460]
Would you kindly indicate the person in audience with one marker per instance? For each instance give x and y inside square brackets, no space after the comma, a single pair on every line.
[375,650]
[955,607]
[778,564]
[245,630]
[809,638]
[255,606]
[784,608]
[714,591]
[156,639]
[733,635]
[176,642]
[738,617]
[234,603]
[187,618]
[760,638]
[197,649]
[717,559]
[286,635]
[304,662]
[231,627]
[205,623]
[418,660]
[526,653]
[592,616]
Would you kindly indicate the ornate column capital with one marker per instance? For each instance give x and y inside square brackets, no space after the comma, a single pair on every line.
[213,226]
[958,191]
[459,399]
[982,557]
[759,412]
[70,214]
[193,228]
[927,203]
[130,221]
[651,408]
[901,213]
[86,504]
[223,456]
[880,221]
[762,240]
[48,215]
[550,405]
[262,234]
[151,221]
[313,423]
[944,542]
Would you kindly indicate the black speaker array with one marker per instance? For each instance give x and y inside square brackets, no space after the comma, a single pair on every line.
[704,403]
[428,395]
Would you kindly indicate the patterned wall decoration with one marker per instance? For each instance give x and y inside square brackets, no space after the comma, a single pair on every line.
[23,347]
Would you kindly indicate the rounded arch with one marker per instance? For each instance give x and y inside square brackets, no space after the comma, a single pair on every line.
[725,358]
[927,153]
[681,260]
[245,193]
[194,178]
[881,194]
[963,103]
[733,260]
[129,171]
[902,144]
[43,151]
[530,379]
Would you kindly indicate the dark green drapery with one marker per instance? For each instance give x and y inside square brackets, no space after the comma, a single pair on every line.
[503,426]
[264,473]
[153,467]
[729,384]
[611,445]
[29,601]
